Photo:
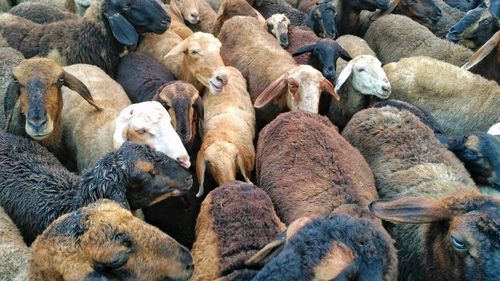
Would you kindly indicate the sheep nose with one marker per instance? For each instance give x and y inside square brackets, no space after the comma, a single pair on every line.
[183,131]
[184,161]
[222,78]
[386,88]
[37,123]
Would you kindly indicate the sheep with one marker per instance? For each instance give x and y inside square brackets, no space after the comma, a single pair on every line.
[197,60]
[5,5]
[158,45]
[278,24]
[231,8]
[38,114]
[104,241]
[270,71]
[177,25]
[135,176]
[207,18]
[353,45]
[89,134]
[186,10]
[321,16]
[14,254]
[236,220]
[348,13]
[68,5]
[40,13]
[446,230]
[360,79]
[321,24]
[484,60]
[414,80]
[9,58]
[229,125]
[494,130]
[464,5]
[393,37]
[474,29]
[98,38]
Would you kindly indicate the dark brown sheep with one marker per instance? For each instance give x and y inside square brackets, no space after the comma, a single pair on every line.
[231,8]
[446,230]
[103,241]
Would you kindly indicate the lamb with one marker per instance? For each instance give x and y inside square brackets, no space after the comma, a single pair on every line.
[197,60]
[135,176]
[393,37]
[236,220]
[207,18]
[89,134]
[484,60]
[271,73]
[439,96]
[9,58]
[446,230]
[474,29]
[40,13]
[231,8]
[278,24]
[104,240]
[98,38]
[14,254]
[229,125]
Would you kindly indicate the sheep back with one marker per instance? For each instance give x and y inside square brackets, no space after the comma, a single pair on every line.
[355,46]
[299,37]
[9,58]
[307,168]
[14,254]
[270,7]
[40,12]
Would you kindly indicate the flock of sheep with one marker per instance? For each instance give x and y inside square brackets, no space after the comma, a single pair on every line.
[250,140]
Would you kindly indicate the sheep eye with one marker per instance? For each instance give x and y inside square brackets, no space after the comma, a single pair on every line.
[60,79]
[126,7]
[457,244]
[194,52]
[141,131]
[361,69]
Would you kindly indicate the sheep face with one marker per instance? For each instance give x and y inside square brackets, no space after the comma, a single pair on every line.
[153,176]
[367,77]
[425,12]
[150,123]
[461,240]
[325,53]
[322,19]
[303,86]
[277,25]
[185,107]
[474,29]
[370,5]
[106,242]
[37,84]
[186,9]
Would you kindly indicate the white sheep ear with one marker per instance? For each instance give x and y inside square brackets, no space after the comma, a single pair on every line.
[177,50]
[482,52]
[344,75]
[120,134]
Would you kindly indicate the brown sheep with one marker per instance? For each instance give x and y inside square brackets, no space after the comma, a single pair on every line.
[176,11]
[14,254]
[207,18]
[104,241]
[277,25]
[446,230]
[485,60]
[9,58]
[231,8]
[158,45]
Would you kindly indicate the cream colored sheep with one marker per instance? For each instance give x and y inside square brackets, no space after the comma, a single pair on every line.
[231,8]
[229,126]
[14,254]
[197,60]
[207,18]
[158,45]
[89,134]
[177,9]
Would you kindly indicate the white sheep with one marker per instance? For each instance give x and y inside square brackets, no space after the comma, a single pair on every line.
[89,133]
[229,125]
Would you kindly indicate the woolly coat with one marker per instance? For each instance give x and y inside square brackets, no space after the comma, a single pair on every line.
[40,13]
[14,254]
[270,7]
[9,58]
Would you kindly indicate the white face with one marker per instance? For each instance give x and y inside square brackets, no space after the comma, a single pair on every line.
[369,78]
[304,88]
[278,24]
[189,10]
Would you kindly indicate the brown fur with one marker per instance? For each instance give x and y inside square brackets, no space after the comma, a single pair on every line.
[308,169]
[231,8]
[236,220]
[9,58]
[68,5]
[299,37]
[460,101]
[78,244]
[158,45]
[14,254]
[177,25]
[207,18]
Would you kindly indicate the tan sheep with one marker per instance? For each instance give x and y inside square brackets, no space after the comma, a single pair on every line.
[229,131]
[207,17]
[14,254]
[231,8]
[158,45]
[181,11]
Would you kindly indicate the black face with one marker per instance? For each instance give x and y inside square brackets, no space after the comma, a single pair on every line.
[481,156]
[153,176]
[477,26]
[326,52]
[322,20]
[425,12]
[144,15]
[369,5]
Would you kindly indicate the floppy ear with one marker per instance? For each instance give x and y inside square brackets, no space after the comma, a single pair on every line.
[344,75]
[273,90]
[338,264]
[122,29]
[304,49]
[378,14]
[328,87]
[344,54]
[269,252]
[121,129]
[201,166]
[198,107]
[76,85]
[414,210]
[177,50]
[482,52]
[10,100]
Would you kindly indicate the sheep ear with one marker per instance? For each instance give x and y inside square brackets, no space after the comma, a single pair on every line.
[344,54]
[122,29]
[114,256]
[303,50]
[120,135]
[198,107]
[241,166]
[269,252]
[344,75]
[201,166]
[337,265]
[76,85]
[414,210]
[328,87]
[10,100]
[272,91]
[482,52]
[177,50]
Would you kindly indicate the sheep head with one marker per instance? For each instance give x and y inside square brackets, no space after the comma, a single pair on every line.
[150,123]
[461,236]
[128,18]
[367,77]
[37,83]
[186,10]
[325,53]
[321,19]
[474,29]
[425,12]
[185,107]
[202,64]
[277,25]
[106,242]
[492,44]
[302,86]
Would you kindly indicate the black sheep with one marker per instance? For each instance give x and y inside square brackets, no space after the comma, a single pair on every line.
[36,189]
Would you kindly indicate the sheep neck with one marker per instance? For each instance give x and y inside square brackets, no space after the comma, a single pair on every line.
[351,101]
